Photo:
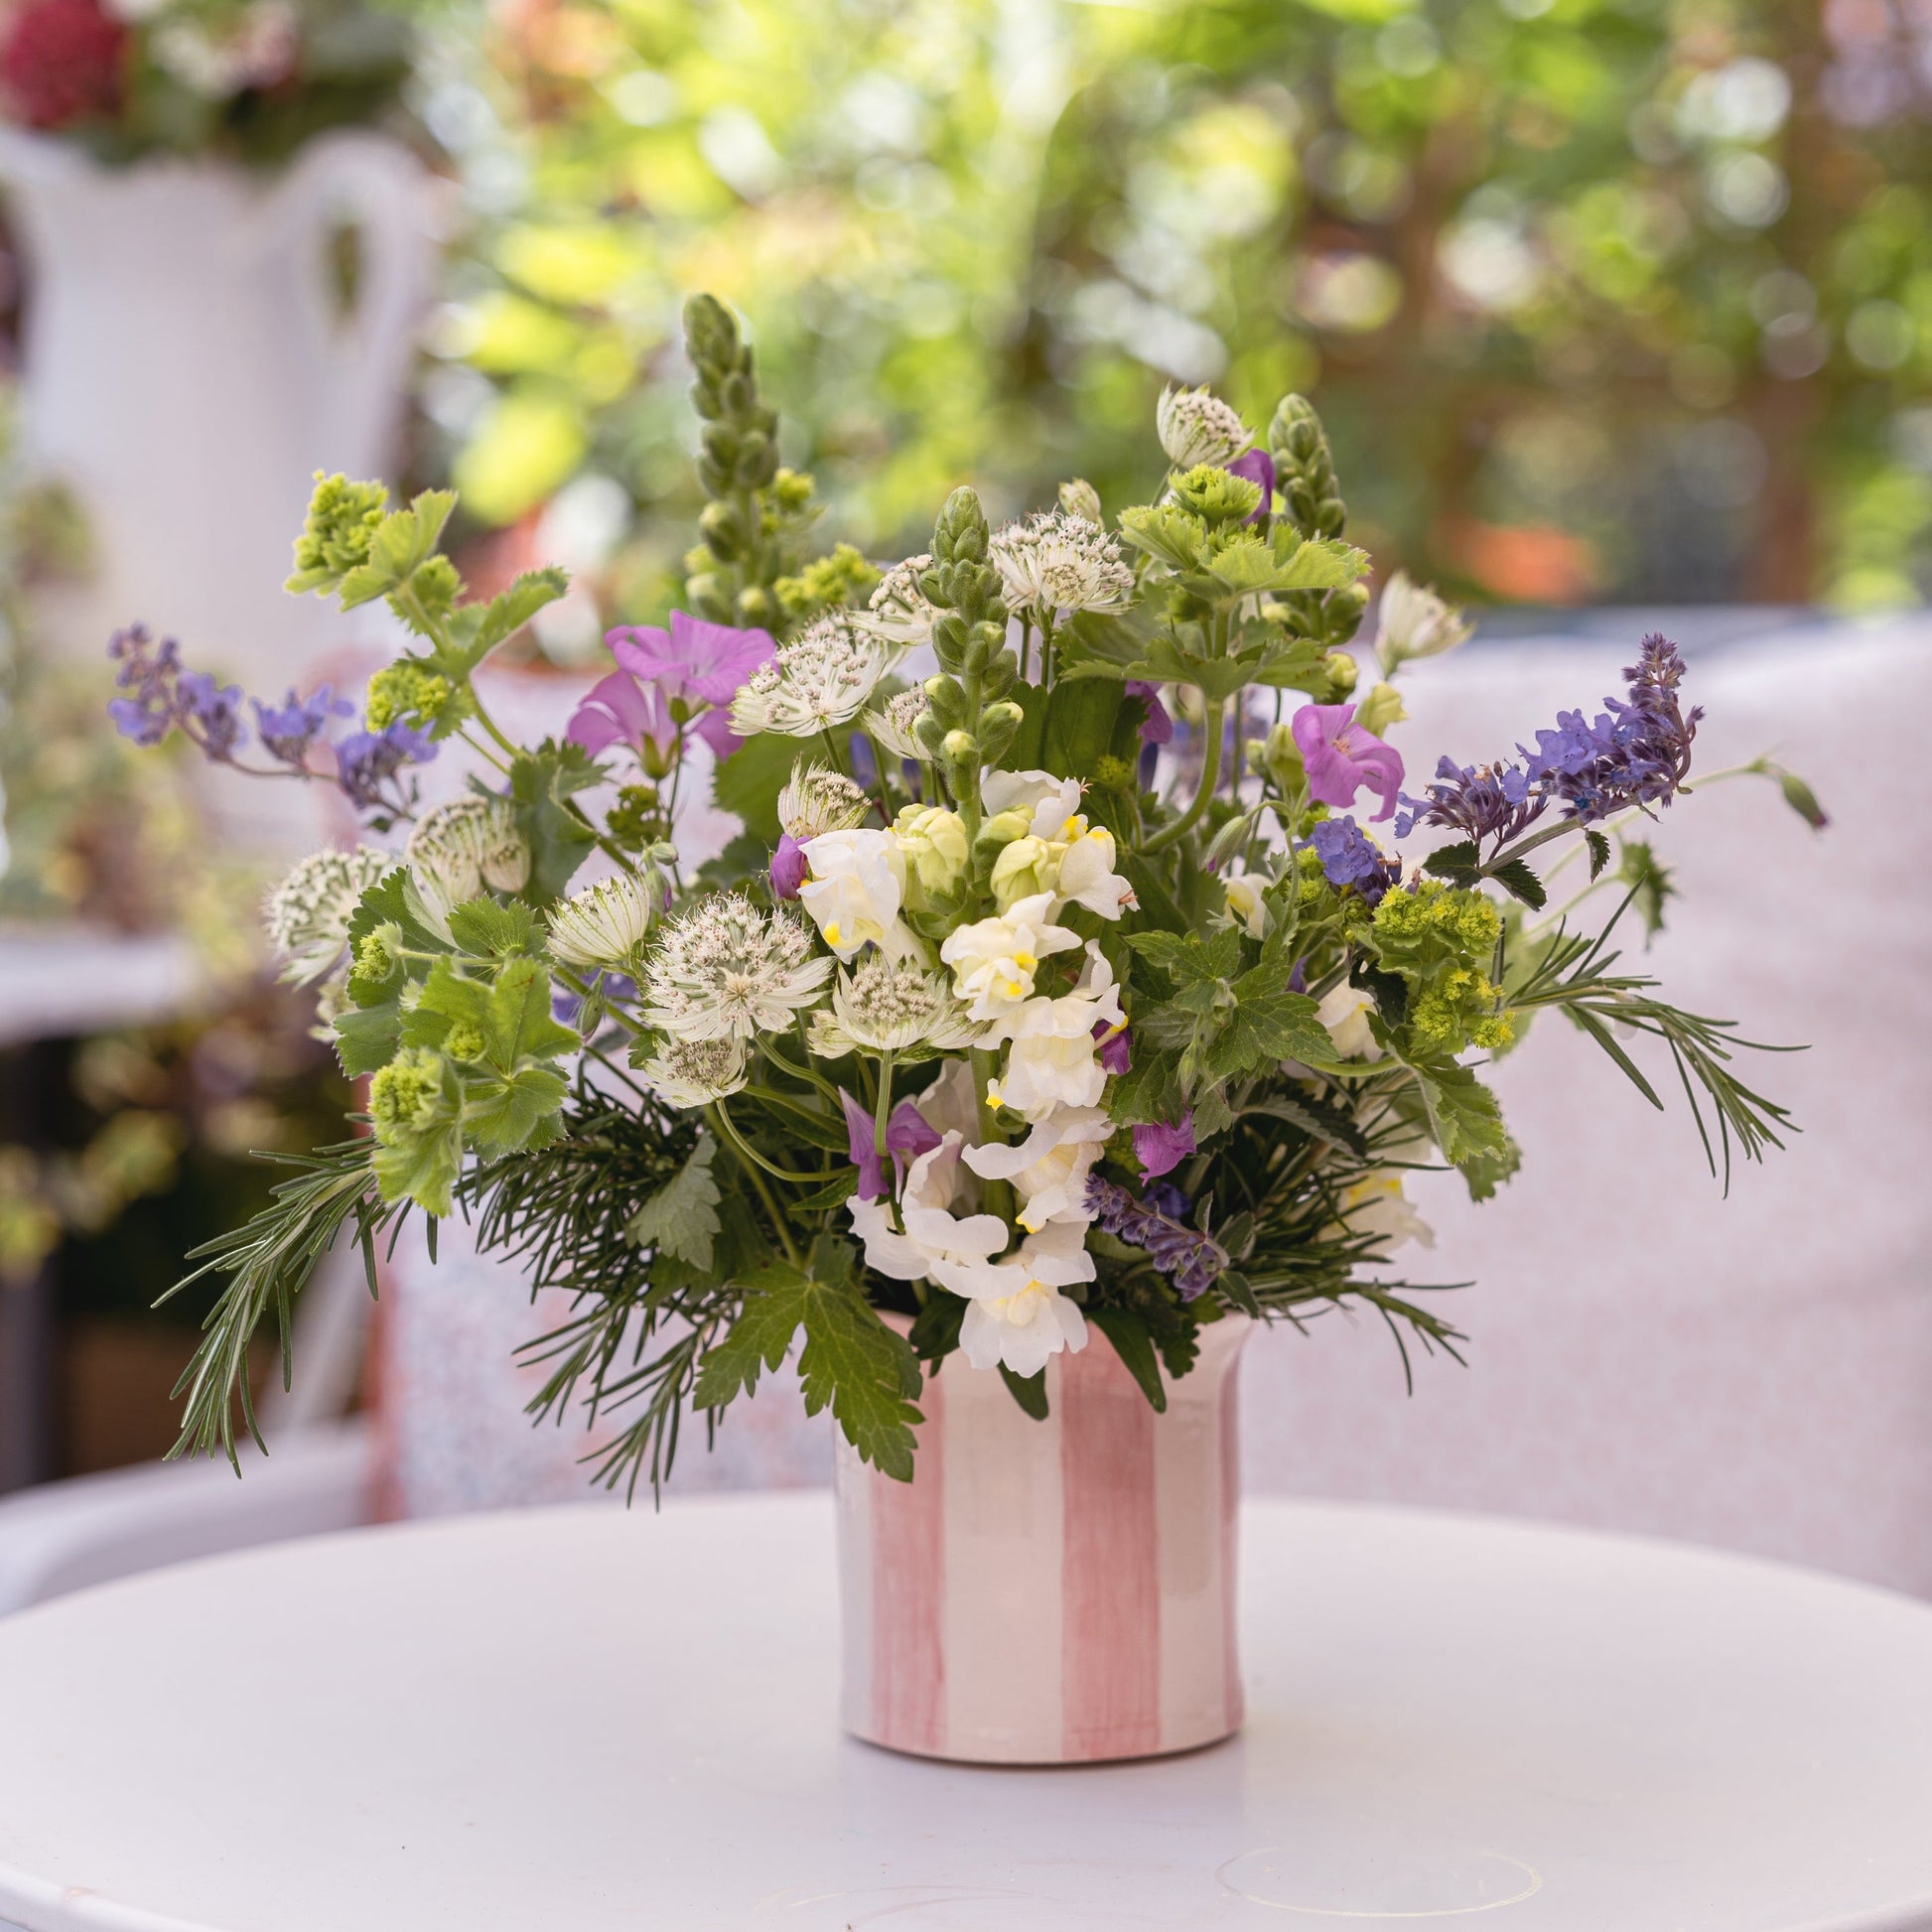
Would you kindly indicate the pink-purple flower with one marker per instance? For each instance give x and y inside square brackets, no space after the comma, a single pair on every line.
[685,676]
[1161,1146]
[1258,467]
[907,1136]
[1342,758]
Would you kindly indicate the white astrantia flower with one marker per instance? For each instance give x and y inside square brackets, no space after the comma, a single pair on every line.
[819,800]
[891,1007]
[823,677]
[1243,889]
[897,611]
[1053,562]
[856,889]
[1376,1205]
[1196,427]
[1344,1011]
[994,960]
[892,726]
[1054,1060]
[307,916]
[728,969]
[1060,854]
[1019,1318]
[1050,1167]
[695,1072]
[604,924]
[1413,621]
[459,848]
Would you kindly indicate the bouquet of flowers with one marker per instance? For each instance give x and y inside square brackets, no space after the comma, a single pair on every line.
[1059,980]
[252,77]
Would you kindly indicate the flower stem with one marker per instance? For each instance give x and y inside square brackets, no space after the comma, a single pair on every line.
[882,1113]
[1210,777]
[721,1121]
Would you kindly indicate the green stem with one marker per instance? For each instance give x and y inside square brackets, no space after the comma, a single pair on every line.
[720,1122]
[1210,777]
[882,1113]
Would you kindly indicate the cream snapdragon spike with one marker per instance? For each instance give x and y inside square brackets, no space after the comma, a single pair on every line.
[998,1028]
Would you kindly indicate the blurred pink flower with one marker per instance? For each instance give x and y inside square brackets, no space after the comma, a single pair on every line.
[694,664]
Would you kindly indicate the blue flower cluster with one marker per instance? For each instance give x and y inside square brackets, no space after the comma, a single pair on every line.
[1349,857]
[1637,752]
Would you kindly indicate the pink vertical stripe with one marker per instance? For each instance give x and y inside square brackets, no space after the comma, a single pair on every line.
[908,1666]
[1231,1479]
[1110,1614]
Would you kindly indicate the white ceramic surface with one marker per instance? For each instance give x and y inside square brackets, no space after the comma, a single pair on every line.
[1054,1591]
[583,1720]
[188,364]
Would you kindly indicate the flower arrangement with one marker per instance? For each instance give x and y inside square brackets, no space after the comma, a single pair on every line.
[254,78]
[1057,982]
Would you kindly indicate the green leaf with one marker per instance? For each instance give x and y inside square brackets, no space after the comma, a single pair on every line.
[851,1362]
[542,782]
[1652,882]
[1314,1117]
[747,783]
[521,1023]
[366,1037]
[1516,879]
[1599,852]
[1485,1173]
[681,1218]
[1154,905]
[1164,530]
[1029,1391]
[510,611]
[404,540]
[1150,1089]
[1079,726]
[1463,1117]
[516,1108]
[1460,863]
[1268,1027]
[1132,1343]
[935,1328]
[486,930]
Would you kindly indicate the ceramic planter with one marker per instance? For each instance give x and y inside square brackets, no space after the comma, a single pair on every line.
[1049,1592]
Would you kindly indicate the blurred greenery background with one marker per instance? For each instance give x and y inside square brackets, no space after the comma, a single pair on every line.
[1603,300]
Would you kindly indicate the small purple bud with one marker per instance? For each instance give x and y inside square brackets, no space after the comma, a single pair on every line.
[788,867]
[1259,467]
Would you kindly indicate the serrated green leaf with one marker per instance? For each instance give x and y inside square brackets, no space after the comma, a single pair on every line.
[1516,879]
[1599,852]
[486,930]
[542,782]
[510,611]
[521,1025]
[366,1037]
[1167,531]
[516,1108]
[1463,1117]
[1485,1173]
[1269,1026]
[1460,863]
[681,1218]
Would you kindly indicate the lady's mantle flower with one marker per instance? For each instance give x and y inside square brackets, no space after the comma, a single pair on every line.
[1413,621]
[695,1072]
[891,1007]
[667,679]
[307,916]
[1054,562]
[336,532]
[994,960]
[604,924]
[1191,1258]
[895,726]
[857,886]
[1196,427]
[823,677]
[727,969]
[897,611]
[1342,758]
[469,843]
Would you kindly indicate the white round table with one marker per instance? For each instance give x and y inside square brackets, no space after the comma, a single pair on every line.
[580,1721]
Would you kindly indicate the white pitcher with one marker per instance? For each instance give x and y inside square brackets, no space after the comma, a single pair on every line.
[190,362]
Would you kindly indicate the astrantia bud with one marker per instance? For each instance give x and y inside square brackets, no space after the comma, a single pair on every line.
[695,1072]
[459,847]
[1414,622]
[897,726]
[307,916]
[1080,498]
[818,800]
[1196,427]
[604,924]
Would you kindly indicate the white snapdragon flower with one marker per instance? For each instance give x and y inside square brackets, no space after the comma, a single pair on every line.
[1196,427]
[1019,1318]
[994,960]
[307,916]
[1376,1205]
[1413,621]
[897,611]
[460,847]
[930,1237]
[823,677]
[695,1072]
[728,969]
[1060,853]
[891,1007]
[604,924]
[855,892]
[1344,1011]
[818,800]
[1050,1167]
[1243,889]
[893,725]
[1054,1061]
[933,841]
[1053,562]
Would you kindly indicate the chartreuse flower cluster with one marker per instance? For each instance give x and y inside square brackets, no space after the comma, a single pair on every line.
[1057,993]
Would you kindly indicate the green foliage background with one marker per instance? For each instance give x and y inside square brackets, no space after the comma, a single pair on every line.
[1601,299]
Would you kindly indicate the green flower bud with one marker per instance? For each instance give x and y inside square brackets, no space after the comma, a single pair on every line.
[1218,495]
[1080,498]
[723,528]
[1304,469]
[1342,672]
[378,958]
[463,1041]
[960,747]
[947,701]
[755,607]
[336,532]
[791,491]
[1382,707]
[406,689]
[931,734]
[999,726]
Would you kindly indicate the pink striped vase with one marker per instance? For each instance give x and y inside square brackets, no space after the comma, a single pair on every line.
[1050,1592]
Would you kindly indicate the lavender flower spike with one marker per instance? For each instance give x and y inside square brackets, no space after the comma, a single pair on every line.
[1191,1258]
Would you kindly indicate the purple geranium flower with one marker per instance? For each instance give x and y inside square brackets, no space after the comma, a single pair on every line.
[687,674]
[1161,1147]
[790,867]
[1156,728]
[289,730]
[1115,1049]
[366,760]
[1350,858]
[1259,467]
[1342,758]
[907,1136]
